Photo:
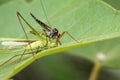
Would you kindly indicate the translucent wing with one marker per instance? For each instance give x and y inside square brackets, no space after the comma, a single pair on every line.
[11,43]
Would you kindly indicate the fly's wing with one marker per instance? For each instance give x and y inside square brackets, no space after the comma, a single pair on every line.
[43,25]
[13,44]
[10,43]
[17,40]
[9,48]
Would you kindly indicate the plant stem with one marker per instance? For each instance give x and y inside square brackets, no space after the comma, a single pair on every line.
[95,71]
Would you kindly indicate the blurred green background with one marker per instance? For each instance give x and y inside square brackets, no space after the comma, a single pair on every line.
[61,66]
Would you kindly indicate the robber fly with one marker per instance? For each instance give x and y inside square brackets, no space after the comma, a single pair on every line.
[44,40]
[51,33]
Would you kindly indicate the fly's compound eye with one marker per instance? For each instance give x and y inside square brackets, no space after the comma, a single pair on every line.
[55,30]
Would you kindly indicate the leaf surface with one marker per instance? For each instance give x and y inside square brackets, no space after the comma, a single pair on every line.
[87,20]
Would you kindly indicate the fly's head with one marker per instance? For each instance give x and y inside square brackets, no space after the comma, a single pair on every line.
[54,33]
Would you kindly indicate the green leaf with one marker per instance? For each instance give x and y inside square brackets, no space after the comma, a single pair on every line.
[114,3]
[3,2]
[70,68]
[110,49]
[63,66]
[87,20]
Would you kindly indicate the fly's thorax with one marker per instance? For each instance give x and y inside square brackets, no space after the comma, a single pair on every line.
[53,33]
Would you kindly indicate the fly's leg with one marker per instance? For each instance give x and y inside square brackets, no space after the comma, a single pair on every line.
[37,50]
[20,16]
[61,35]
[43,32]
[22,55]
[9,60]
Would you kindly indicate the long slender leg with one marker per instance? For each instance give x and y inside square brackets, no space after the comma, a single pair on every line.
[43,33]
[32,32]
[37,49]
[9,59]
[18,15]
[22,55]
[57,40]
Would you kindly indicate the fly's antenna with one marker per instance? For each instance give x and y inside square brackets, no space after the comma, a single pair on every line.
[45,12]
